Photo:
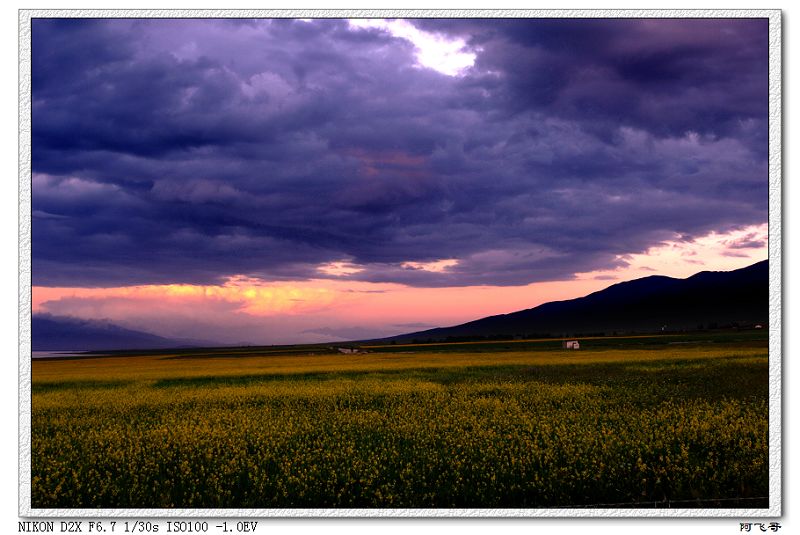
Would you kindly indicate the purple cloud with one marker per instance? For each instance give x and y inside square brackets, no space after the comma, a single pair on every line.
[190,150]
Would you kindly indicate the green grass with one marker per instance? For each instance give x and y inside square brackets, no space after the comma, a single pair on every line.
[433,429]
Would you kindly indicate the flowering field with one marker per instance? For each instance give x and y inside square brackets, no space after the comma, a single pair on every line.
[681,425]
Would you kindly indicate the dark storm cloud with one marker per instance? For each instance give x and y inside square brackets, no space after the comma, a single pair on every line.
[667,76]
[192,150]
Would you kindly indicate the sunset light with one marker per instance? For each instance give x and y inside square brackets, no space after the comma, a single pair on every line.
[433,51]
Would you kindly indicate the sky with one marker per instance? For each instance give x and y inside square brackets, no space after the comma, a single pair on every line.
[280,181]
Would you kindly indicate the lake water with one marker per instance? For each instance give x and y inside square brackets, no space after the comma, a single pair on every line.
[52,354]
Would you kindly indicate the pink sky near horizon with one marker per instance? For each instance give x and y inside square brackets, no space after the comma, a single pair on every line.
[261,312]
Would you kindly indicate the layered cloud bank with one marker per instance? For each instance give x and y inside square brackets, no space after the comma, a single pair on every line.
[187,151]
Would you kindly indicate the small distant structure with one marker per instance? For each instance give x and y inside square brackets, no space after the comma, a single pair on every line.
[759,326]
[349,350]
[570,344]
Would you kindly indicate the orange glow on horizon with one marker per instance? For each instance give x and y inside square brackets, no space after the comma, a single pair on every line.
[248,295]
[359,302]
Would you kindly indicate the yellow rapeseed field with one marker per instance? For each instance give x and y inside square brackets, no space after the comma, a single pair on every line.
[683,426]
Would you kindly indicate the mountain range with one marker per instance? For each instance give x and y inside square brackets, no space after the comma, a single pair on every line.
[708,299]
[59,333]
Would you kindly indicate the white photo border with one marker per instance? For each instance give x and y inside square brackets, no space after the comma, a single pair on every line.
[775,263]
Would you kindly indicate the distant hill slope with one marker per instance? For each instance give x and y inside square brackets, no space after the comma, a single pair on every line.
[707,299]
[54,333]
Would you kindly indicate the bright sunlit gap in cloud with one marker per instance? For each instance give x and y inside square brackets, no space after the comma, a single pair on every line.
[339,269]
[437,266]
[447,56]
[684,257]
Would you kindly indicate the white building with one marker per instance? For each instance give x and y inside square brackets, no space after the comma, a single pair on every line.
[570,344]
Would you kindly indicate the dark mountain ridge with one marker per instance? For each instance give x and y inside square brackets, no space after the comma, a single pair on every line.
[56,333]
[705,300]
